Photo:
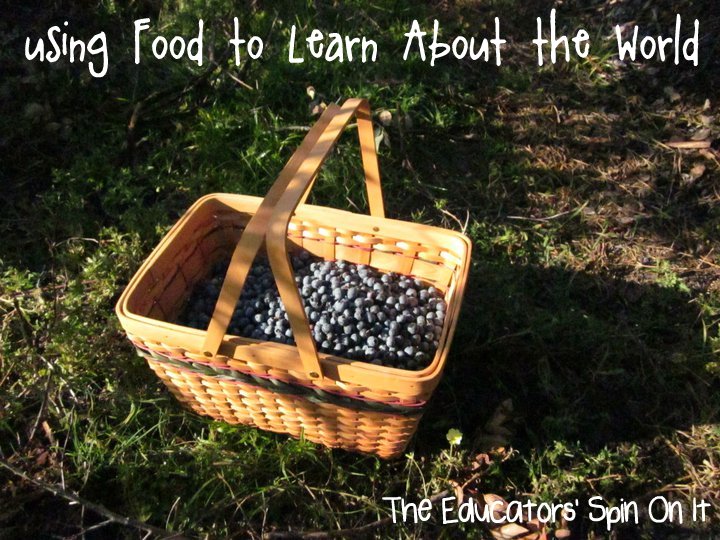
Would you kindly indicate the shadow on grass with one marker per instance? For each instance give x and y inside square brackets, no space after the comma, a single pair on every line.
[585,358]
[615,352]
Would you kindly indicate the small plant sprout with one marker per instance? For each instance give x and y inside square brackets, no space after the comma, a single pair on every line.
[454,437]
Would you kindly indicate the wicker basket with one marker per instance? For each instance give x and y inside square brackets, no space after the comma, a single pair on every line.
[292,389]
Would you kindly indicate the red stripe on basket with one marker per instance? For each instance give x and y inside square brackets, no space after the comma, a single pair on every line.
[287,381]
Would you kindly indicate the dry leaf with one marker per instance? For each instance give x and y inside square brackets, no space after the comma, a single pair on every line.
[511,530]
[497,504]
[385,117]
[701,134]
[48,432]
[379,136]
[459,495]
[495,434]
[481,460]
[697,171]
[42,458]
[317,107]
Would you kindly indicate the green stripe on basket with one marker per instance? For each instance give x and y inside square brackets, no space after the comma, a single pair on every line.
[314,395]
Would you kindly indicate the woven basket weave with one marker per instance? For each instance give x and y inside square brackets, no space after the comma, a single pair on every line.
[292,389]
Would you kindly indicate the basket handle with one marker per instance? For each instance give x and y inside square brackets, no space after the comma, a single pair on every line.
[270,223]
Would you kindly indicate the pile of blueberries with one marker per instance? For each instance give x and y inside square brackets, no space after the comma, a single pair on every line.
[354,310]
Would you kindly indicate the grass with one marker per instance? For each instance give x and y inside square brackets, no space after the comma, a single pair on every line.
[585,361]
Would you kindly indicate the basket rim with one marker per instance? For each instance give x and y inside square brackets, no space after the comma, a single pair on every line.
[428,374]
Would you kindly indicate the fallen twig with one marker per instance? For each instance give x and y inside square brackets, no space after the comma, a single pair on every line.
[97,508]
[463,226]
[689,145]
[239,81]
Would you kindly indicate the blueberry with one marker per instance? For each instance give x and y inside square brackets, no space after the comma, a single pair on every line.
[371,315]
